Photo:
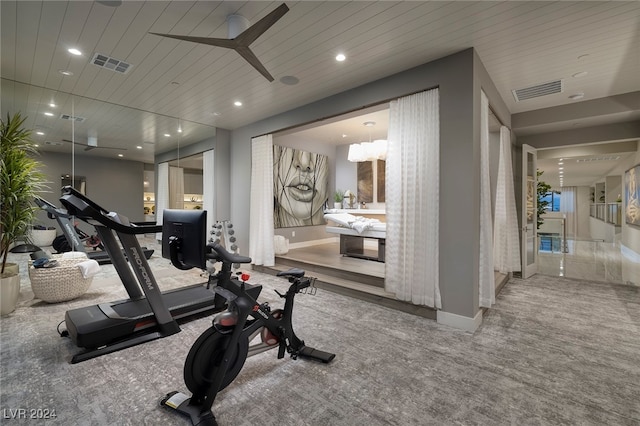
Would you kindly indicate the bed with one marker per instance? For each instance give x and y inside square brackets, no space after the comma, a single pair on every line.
[354,230]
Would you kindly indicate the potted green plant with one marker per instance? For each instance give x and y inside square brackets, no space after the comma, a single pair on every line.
[20,181]
[542,190]
[338,196]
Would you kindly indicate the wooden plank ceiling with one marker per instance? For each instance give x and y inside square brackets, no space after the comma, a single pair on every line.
[176,83]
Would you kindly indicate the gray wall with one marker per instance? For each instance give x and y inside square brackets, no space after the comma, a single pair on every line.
[116,185]
[460,78]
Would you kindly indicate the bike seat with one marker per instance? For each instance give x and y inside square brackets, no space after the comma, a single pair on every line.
[293,272]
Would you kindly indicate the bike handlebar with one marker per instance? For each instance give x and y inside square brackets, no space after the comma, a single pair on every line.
[225,256]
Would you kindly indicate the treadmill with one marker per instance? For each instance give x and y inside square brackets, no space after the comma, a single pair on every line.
[148,314]
[70,233]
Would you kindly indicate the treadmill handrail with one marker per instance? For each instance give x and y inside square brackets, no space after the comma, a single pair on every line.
[79,205]
[51,209]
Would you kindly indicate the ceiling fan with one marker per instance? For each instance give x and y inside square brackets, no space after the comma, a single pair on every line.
[240,43]
[92,143]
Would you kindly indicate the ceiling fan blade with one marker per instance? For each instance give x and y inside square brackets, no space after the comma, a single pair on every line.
[219,42]
[248,55]
[90,147]
[241,43]
[249,35]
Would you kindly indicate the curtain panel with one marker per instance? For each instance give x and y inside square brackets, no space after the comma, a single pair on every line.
[412,203]
[487,292]
[568,203]
[176,187]
[506,238]
[261,229]
[162,198]
[208,191]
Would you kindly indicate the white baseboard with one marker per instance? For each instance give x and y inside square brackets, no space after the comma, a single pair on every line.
[313,243]
[459,321]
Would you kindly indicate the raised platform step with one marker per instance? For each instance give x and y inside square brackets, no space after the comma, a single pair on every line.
[328,279]
[315,269]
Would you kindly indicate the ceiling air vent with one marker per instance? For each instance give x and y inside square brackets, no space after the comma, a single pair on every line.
[52,143]
[538,90]
[605,158]
[72,117]
[104,61]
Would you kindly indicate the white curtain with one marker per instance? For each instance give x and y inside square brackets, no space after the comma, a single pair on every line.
[176,187]
[487,292]
[208,190]
[162,198]
[568,203]
[261,233]
[506,239]
[412,188]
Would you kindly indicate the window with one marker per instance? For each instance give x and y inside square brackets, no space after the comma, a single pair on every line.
[553,201]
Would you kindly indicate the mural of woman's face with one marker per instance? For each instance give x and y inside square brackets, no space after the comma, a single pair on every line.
[301,183]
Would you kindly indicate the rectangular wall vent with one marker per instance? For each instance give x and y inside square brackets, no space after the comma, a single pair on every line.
[104,61]
[538,90]
[72,117]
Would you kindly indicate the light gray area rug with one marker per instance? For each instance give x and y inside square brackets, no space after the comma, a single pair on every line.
[551,351]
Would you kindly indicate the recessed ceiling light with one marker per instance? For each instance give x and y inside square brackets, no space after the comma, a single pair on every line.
[237,103]
[167,134]
[175,83]
[580,74]
[65,72]
[560,163]
[289,80]
[576,96]
[50,114]
[120,155]
[344,135]
[40,133]
[52,105]
[74,51]
[340,57]
[217,114]
[583,56]
[138,147]
[369,123]
[560,168]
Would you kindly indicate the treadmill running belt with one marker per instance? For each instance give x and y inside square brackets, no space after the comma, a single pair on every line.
[174,300]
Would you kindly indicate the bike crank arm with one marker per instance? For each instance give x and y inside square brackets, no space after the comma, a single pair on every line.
[258,348]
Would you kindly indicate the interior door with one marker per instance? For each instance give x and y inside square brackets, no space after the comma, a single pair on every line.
[529,235]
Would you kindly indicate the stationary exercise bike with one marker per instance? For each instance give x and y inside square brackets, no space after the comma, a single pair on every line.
[217,356]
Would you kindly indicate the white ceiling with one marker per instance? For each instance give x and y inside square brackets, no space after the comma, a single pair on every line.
[181,84]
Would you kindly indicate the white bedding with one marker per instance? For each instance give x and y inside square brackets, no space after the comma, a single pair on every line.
[358,223]
[375,232]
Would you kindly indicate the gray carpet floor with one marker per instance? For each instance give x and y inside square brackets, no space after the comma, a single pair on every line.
[552,351]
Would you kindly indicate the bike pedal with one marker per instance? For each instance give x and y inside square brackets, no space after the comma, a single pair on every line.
[312,289]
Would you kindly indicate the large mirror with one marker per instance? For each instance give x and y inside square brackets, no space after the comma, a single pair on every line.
[113,147]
